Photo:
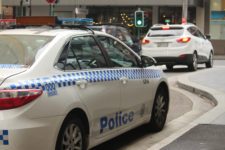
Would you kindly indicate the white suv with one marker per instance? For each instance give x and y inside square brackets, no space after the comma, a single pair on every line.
[181,44]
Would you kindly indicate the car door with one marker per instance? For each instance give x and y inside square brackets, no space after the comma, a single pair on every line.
[205,46]
[83,59]
[135,87]
[197,40]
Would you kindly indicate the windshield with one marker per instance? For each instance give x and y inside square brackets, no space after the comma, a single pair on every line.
[21,49]
[161,32]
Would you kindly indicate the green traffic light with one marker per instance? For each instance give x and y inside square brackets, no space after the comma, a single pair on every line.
[139,22]
[139,18]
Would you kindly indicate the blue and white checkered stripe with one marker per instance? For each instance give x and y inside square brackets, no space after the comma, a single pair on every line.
[4,139]
[69,79]
[10,66]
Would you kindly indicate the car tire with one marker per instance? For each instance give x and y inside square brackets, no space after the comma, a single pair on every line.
[209,64]
[194,63]
[169,67]
[159,110]
[71,135]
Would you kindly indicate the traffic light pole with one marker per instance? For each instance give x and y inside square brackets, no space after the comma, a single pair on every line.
[139,32]
[50,9]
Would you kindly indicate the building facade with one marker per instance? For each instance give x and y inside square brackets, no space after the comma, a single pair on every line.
[208,15]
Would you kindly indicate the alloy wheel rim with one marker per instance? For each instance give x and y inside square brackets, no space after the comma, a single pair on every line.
[72,138]
[211,59]
[195,61]
[160,110]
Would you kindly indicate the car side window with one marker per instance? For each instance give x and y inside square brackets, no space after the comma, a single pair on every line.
[200,34]
[119,55]
[81,53]
[193,31]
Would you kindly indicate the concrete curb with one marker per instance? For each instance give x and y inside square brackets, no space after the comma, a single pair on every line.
[217,97]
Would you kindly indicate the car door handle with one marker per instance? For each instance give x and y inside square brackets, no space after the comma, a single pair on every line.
[82,83]
[124,80]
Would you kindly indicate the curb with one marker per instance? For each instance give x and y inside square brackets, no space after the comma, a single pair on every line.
[192,89]
[217,98]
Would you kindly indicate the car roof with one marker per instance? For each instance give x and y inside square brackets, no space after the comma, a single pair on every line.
[173,25]
[43,32]
[107,26]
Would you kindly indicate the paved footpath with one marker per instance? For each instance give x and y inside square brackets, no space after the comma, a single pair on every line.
[208,131]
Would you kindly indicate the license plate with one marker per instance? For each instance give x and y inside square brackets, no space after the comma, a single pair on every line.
[163,44]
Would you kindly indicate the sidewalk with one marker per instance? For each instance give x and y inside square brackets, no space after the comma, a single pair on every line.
[219,57]
[208,131]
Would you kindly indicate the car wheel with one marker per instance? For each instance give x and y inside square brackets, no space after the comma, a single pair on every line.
[194,63]
[72,135]
[169,67]
[209,64]
[159,110]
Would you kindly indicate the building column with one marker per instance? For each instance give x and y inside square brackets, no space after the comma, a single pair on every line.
[200,18]
[155,15]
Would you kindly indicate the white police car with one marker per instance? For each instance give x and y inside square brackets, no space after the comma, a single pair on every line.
[178,44]
[67,89]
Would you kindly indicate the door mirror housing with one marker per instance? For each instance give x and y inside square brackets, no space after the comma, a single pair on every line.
[147,61]
[208,36]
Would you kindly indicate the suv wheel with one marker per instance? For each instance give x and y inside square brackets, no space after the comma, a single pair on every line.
[194,63]
[209,64]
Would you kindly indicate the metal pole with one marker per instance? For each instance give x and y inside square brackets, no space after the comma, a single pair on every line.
[30,8]
[21,7]
[185,9]
[138,34]
[1,9]
[51,9]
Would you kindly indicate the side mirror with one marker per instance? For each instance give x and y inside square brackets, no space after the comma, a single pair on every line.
[208,36]
[60,65]
[147,61]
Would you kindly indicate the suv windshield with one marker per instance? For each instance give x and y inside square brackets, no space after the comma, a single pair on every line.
[157,32]
[21,49]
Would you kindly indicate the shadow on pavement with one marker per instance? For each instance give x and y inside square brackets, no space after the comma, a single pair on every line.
[125,139]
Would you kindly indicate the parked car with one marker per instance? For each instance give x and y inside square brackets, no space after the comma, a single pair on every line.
[179,44]
[63,89]
[121,33]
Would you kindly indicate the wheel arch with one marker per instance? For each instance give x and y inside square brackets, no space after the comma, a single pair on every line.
[78,112]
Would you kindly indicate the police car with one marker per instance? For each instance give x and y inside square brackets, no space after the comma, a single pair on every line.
[178,44]
[63,89]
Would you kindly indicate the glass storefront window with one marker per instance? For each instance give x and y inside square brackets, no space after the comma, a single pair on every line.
[217,20]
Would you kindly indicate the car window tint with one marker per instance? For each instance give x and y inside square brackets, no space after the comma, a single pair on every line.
[120,36]
[200,34]
[118,53]
[193,31]
[82,53]
[22,49]
[161,33]
[67,60]
[127,37]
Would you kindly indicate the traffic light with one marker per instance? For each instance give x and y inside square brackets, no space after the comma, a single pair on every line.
[146,19]
[139,18]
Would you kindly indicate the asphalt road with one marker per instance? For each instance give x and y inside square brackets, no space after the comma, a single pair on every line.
[184,107]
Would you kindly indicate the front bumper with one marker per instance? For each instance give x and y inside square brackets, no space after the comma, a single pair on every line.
[185,60]
[24,134]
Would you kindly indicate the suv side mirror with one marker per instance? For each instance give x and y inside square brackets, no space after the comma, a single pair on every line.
[147,61]
[208,36]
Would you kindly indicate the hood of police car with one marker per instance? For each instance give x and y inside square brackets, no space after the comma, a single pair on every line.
[8,72]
